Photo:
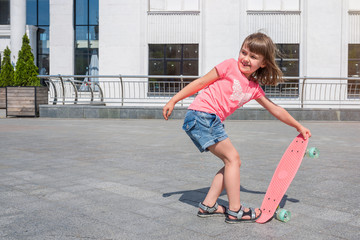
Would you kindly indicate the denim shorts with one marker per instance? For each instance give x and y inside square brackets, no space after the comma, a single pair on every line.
[204,129]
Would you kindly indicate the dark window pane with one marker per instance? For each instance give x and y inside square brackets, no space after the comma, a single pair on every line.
[172,68]
[81,12]
[94,12]
[43,12]
[81,61]
[190,68]
[289,51]
[173,51]
[289,68]
[4,12]
[354,68]
[354,71]
[156,67]
[43,64]
[191,51]
[354,51]
[156,51]
[31,12]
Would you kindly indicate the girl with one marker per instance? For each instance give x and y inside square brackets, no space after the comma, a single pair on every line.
[227,87]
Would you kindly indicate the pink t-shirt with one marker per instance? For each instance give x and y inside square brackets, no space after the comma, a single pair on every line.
[228,93]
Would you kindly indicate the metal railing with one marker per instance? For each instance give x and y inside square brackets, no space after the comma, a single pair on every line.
[147,90]
[67,89]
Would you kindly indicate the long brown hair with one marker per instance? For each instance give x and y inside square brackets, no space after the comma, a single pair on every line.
[260,43]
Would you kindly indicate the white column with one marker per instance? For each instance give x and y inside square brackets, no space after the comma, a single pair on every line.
[18,22]
[61,37]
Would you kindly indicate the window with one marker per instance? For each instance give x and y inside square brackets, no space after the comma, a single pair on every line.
[31,12]
[86,39]
[37,14]
[288,62]
[172,59]
[354,70]
[288,59]
[4,12]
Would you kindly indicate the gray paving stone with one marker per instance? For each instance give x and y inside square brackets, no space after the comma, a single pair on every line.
[143,179]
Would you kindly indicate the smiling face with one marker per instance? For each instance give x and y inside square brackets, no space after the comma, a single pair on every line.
[249,62]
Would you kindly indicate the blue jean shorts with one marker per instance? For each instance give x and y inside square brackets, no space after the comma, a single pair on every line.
[204,129]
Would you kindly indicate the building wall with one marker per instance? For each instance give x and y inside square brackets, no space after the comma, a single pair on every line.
[122,39]
[322,28]
[4,38]
[323,31]
[220,32]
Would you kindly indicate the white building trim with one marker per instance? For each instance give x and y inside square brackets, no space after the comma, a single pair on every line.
[354,27]
[173,27]
[281,26]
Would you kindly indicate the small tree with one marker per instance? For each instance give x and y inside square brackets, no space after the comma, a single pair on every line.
[7,69]
[26,71]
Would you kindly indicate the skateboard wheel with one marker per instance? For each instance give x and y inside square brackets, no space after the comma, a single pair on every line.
[283,215]
[312,152]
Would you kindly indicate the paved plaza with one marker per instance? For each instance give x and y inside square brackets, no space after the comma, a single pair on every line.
[143,179]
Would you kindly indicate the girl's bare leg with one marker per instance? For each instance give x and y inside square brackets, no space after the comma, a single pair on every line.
[231,173]
[217,186]
[228,177]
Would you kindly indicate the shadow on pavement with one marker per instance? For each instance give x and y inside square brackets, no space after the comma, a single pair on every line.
[193,197]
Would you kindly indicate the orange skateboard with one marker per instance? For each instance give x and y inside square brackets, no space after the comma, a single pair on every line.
[282,178]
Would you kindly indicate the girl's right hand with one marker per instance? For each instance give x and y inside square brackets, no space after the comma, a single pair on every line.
[304,132]
[167,110]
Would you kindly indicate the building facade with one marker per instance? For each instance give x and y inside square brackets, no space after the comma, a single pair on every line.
[181,37]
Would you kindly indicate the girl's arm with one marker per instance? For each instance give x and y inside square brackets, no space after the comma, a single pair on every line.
[281,114]
[190,90]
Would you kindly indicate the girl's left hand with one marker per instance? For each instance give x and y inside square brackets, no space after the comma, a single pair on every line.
[167,110]
[304,131]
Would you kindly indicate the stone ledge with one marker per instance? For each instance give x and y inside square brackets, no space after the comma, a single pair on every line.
[91,111]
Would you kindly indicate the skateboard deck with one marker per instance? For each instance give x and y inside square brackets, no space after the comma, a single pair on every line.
[283,176]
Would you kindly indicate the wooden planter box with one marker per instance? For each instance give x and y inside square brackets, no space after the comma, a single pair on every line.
[25,101]
[2,98]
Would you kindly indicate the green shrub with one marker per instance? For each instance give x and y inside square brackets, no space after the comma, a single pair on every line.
[26,71]
[7,70]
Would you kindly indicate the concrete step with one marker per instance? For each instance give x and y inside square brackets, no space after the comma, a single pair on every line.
[91,111]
